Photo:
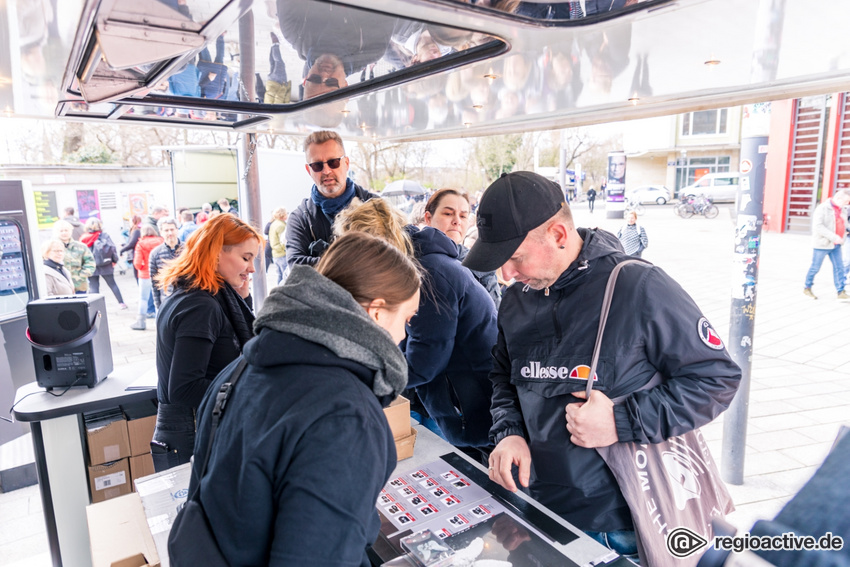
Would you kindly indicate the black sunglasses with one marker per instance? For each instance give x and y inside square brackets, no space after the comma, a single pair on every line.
[318,166]
[329,82]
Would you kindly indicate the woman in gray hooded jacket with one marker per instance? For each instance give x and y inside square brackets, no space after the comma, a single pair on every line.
[304,449]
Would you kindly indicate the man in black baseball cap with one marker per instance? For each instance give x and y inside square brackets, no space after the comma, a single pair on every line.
[515,211]
[547,325]
[514,205]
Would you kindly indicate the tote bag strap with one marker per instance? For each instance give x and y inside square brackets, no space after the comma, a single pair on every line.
[603,317]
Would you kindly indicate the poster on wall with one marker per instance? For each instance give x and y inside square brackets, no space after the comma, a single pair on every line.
[46,210]
[138,204]
[87,204]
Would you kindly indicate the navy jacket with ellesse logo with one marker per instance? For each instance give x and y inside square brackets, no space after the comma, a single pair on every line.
[543,354]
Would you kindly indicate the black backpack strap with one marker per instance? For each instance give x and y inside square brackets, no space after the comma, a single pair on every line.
[224,393]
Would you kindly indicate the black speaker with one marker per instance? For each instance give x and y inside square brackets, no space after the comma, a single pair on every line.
[70,340]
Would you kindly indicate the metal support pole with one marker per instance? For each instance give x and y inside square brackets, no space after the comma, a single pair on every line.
[755,127]
[562,164]
[249,162]
[750,218]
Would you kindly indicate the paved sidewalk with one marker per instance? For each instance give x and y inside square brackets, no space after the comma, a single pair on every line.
[800,389]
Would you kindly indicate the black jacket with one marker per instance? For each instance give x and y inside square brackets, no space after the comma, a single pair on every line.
[130,247]
[357,37]
[449,342]
[300,457]
[105,255]
[159,256]
[307,224]
[487,279]
[653,326]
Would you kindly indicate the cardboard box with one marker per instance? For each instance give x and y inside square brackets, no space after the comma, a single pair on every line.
[140,432]
[110,480]
[404,445]
[141,466]
[119,535]
[138,560]
[162,496]
[141,421]
[108,443]
[398,416]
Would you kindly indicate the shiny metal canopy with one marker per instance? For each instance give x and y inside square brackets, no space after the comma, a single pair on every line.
[393,69]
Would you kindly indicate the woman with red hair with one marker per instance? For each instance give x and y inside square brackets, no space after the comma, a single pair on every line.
[202,327]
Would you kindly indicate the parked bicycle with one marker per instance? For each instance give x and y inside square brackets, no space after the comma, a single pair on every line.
[697,205]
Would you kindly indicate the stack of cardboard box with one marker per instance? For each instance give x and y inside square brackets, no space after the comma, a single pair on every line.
[118,449]
[109,451]
[398,416]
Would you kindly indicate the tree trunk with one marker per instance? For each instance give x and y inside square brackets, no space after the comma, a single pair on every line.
[73,139]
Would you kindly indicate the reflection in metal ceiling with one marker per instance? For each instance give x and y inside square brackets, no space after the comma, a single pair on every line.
[409,69]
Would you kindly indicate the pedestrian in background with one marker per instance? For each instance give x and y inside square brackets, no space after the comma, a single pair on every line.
[105,257]
[141,260]
[591,198]
[132,240]
[70,215]
[277,242]
[188,225]
[79,260]
[204,214]
[58,279]
[828,232]
[633,237]
[161,255]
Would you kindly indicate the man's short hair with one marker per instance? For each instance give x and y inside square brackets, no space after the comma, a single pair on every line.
[69,211]
[159,209]
[322,136]
[187,216]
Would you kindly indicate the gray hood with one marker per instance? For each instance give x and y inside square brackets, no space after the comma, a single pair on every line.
[316,309]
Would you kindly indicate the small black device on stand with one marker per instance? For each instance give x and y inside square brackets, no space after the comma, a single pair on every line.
[70,340]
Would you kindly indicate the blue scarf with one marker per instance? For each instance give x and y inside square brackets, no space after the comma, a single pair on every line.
[332,206]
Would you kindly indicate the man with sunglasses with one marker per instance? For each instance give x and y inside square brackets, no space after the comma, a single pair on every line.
[326,75]
[309,230]
[354,39]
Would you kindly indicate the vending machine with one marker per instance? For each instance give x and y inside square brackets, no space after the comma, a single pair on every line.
[18,286]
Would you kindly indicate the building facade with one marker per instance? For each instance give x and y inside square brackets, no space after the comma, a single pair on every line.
[675,151]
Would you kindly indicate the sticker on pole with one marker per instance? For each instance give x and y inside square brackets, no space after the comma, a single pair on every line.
[746,166]
[708,335]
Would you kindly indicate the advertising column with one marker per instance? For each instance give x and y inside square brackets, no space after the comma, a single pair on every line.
[615,188]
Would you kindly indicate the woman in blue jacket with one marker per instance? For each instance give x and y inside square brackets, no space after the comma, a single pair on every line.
[303,448]
[450,339]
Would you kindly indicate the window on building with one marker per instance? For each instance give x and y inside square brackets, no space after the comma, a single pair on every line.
[691,170]
[704,122]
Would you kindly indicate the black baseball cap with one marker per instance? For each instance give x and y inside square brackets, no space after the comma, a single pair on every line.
[513,205]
